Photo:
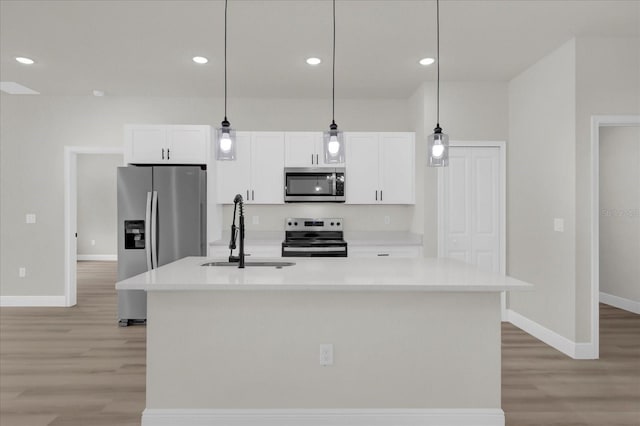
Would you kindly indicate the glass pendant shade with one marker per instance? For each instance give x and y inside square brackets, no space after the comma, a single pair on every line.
[438,148]
[333,143]
[225,143]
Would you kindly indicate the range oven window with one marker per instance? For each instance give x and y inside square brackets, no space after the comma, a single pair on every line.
[316,184]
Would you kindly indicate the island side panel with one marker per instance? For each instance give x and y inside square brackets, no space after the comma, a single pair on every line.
[250,349]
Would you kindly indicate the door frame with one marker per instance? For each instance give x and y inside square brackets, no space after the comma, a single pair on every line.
[502,147]
[598,121]
[71,214]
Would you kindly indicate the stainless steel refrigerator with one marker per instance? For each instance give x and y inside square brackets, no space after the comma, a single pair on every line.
[162,213]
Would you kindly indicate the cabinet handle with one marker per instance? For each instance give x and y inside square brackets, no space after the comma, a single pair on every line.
[252,196]
[376,195]
[383,254]
[168,154]
[317,161]
[381,195]
[163,153]
[311,158]
[247,195]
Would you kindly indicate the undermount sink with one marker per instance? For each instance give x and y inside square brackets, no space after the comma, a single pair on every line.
[246,264]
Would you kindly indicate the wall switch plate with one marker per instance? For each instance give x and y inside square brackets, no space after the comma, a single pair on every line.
[558,225]
[22,272]
[30,218]
[326,354]
[387,220]
[255,220]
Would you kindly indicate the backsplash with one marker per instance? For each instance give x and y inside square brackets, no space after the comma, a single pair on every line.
[356,217]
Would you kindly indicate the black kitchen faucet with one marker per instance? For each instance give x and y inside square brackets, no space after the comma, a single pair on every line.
[234,232]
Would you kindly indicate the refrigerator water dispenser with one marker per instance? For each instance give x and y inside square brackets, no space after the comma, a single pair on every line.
[134,236]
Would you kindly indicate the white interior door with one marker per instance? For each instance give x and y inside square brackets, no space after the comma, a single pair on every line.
[471,207]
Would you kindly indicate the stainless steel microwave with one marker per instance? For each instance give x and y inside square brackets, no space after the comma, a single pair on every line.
[314,184]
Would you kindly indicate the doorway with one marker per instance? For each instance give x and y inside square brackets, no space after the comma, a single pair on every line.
[71,213]
[599,123]
[471,206]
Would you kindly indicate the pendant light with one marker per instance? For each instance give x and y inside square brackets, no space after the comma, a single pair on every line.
[333,140]
[438,142]
[226,136]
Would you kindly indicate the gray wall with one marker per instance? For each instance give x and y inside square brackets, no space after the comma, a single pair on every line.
[607,82]
[34,130]
[620,212]
[97,210]
[540,187]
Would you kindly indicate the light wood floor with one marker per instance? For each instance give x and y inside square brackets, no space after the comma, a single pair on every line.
[61,366]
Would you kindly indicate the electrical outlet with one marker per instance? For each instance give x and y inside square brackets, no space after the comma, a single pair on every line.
[326,354]
[558,225]
[30,218]
[255,220]
[387,220]
[22,272]
[93,242]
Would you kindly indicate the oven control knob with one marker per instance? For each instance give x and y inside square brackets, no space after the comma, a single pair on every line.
[289,223]
[331,223]
[295,223]
[338,223]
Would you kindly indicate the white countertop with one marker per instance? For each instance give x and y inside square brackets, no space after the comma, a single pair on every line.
[354,238]
[325,274]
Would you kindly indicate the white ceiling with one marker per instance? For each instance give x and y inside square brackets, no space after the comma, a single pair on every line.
[144,48]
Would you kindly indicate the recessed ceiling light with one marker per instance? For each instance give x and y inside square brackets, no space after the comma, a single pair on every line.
[314,61]
[427,61]
[23,60]
[200,60]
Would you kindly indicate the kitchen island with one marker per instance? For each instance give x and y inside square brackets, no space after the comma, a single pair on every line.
[413,342]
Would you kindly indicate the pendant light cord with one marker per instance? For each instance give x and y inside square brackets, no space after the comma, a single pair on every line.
[438,62]
[225,60]
[333,83]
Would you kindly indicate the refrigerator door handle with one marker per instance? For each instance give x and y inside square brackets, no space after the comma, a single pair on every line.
[154,230]
[147,231]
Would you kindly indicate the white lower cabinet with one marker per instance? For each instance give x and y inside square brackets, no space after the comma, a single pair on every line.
[385,251]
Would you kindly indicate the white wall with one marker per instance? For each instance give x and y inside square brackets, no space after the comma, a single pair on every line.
[97,210]
[469,111]
[607,83]
[540,187]
[620,212]
[34,130]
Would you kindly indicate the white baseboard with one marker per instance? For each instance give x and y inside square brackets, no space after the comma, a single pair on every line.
[620,302]
[323,417]
[98,257]
[32,301]
[551,338]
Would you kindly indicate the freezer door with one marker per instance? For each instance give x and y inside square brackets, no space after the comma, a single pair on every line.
[134,187]
[181,212]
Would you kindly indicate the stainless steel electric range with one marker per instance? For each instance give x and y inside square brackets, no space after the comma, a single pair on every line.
[306,237]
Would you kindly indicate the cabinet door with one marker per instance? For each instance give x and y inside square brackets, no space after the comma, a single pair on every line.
[362,158]
[188,144]
[145,144]
[234,177]
[301,149]
[267,167]
[397,168]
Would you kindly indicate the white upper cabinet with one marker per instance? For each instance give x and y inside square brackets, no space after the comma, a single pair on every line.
[363,158]
[305,149]
[258,171]
[380,168]
[166,144]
